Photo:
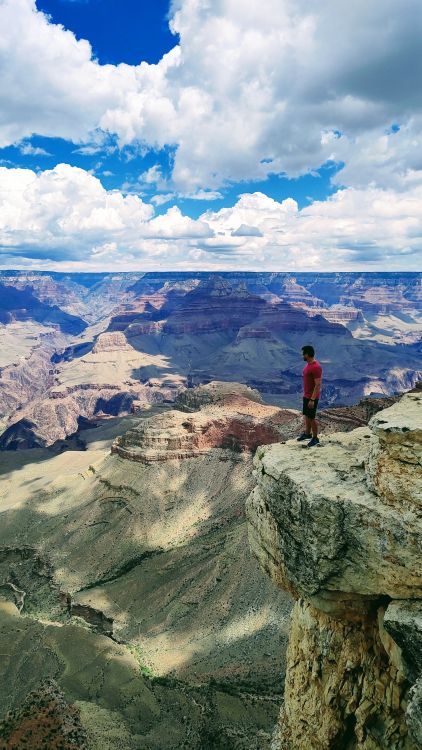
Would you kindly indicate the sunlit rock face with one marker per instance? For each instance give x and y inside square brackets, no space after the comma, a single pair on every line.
[290,291]
[373,292]
[393,468]
[193,399]
[100,380]
[231,416]
[341,528]
[339,314]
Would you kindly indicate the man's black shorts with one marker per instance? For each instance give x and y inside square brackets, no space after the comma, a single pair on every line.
[311,413]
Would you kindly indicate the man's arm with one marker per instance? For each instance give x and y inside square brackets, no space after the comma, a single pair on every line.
[317,386]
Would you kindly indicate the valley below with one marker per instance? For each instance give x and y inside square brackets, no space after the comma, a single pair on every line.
[131,585]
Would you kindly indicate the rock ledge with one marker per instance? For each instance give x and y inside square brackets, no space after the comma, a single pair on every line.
[341,528]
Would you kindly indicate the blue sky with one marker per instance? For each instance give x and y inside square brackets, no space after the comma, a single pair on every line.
[120,169]
[132,31]
[128,31]
[220,135]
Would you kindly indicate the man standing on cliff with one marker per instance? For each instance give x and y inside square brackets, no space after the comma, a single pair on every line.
[312,376]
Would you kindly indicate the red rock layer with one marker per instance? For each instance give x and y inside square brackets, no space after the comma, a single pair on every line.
[235,422]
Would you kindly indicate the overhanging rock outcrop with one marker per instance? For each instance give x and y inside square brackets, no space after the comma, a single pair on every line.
[341,528]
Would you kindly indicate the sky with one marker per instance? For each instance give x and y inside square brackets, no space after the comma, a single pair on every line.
[210,135]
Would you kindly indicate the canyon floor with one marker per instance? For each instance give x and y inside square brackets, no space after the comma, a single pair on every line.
[132,586]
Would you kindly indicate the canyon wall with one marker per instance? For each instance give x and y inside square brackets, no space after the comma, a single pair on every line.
[341,528]
[170,330]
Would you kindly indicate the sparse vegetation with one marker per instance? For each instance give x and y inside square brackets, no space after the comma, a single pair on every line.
[139,655]
[119,487]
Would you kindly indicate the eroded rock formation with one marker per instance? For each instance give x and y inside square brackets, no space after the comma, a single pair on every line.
[170,329]
[101,381]
[229,418]
[25,380]
[341,529]
[214,392]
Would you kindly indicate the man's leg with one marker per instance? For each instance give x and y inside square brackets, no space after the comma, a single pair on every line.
[314,427]
[306,426]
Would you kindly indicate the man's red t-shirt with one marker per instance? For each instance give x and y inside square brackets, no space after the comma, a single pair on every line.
[311,371]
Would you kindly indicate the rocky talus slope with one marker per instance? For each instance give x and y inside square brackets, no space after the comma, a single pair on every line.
[341,529]
[46,721]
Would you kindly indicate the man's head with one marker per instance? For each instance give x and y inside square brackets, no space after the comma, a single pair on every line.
[308,353]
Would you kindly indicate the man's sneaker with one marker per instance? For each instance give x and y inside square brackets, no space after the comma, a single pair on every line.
[312,443]
[303,436]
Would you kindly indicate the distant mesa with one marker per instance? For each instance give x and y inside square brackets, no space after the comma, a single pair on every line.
[111,342]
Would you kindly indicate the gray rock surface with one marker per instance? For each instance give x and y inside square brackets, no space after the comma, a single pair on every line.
[394,463]
[414,713]
[403,620]
[314,519]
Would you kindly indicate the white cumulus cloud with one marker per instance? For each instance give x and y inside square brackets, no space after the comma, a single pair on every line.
[173,225]
[252,88]
[62,213]
[65,216]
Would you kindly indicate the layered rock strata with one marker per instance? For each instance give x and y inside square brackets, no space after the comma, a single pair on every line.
[338,314]
[193,399]
[147,569]
[29,378]
[233,421]
[342,531]
[104,381]
[22,304]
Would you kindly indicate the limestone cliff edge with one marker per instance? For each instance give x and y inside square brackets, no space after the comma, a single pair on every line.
[341,528]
